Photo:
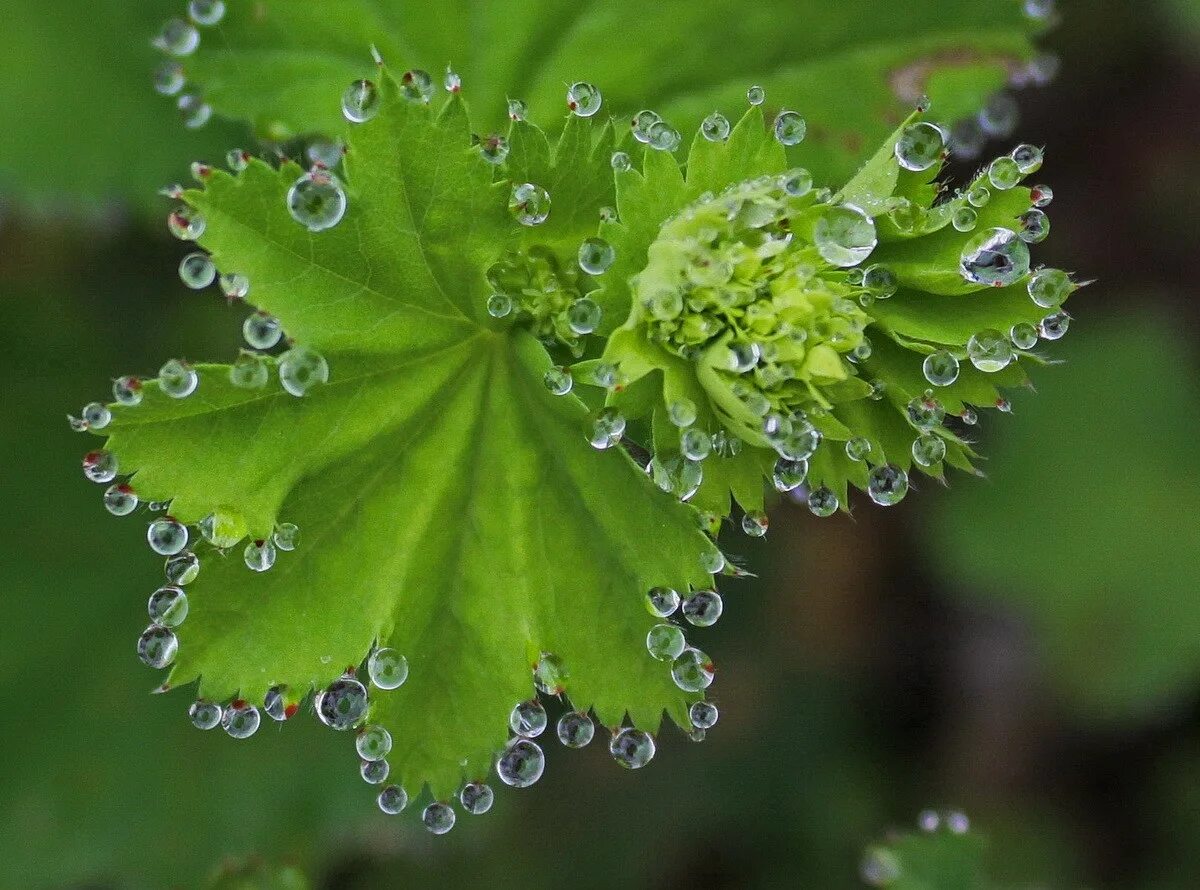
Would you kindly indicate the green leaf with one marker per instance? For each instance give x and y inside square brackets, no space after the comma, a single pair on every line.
[450,507]
[852,72]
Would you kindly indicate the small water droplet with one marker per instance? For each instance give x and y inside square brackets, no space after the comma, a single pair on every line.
[797,183]
[756,95]
[206,12]
[529,204]
[990,351]
[715,127]
[712,561]
[550,674]
[887,485]
[167,536]
[1023,335]
[1041,195]
[641,123]
[1054,326]
[662,601]
[499,305]
[621,162]
[416,86]
[703,608]
[178,379]
[583,99]
[182,568]
[790,128]
[360,102]
[978,194]
[596,256]
[575,729]
[607,429]
[286,536]
[665,642]
[100,466]
[1003,173]
[858,448]
[880,867]
[451,81]
[631,748]
[940,368]
[920,146]
[374,772]
[528,719]
[168,606]
[222,528]
[664,137]
[964,219]
[262,331]
[196,270]
[300,369]
[995,257]
[692,671]
[275,703]
[703,714]
[928,449]
[1049,287]
[373,742]
[259,555]
[521,764]
[96,415]
[157,646]
[998,117]
[249,371]
[387,668]
[925,413]
[880,281]
[517,110]
[342,704]
[1035,226]
[822,502]
[392,799]
[193,110]
[177,38]
[844,235]
[494,149]
[317,200]
[186,223]
[798,442]
[204,714]
[789,475]
[583,316]
[476,798]
[168,78]
[325,153]
[120,500]
[558,380]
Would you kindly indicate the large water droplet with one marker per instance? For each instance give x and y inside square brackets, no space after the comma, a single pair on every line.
[789,475]
[167,536]
[995,257]
[120,499]
[374,772]
[596,256]
[262,331]
[692,671]
[940,368]
[286,536]
[521,764]
[182,568]
[990,351]
[127,390]
[528,719]
[715,127]
[928,449]
[387,668]
[300,369]
[168,606]
[157,646]
[964,219]
[178,379]
[920,146]
[1049,287]
[317,200]
[476,798]
[241,720]
[583,316]
[887,485]
[703,608]
[185,223]
[790,128]
[844,235]
[703,714]
[529,204]
[342,704]
[583,99]
[1003,173]
[575,729]
[100,466]
[822,502]
[438,818]
[360,101]
[373,742]
[665,642]
[1023,335]
[631,748]
[259,555]
[204,714]
[196,270]
[662,601]
[392,799]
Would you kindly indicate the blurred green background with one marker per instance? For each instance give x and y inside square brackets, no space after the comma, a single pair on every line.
[1026,647]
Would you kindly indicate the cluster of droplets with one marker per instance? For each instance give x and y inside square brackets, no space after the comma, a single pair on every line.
[178,38]
[882,867]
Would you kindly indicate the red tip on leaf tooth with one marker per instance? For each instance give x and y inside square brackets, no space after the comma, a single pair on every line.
[290,711]
[238,703]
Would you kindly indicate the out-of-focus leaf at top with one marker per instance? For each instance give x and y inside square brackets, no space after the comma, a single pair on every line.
[1088,524]
[853,69]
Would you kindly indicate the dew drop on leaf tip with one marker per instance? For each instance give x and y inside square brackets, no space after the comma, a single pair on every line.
[528,719]
[476,798]
[575,729]
[583,99]
[521,764]
[392,799]
[438,817]
[177,37]
[387,668]
[317,200]
[631,748]
[360,101]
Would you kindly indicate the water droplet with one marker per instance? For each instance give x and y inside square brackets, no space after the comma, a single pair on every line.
[607,429]
[494,149]
[325,152]
[789,475]
[940,368]
[621,162]
[182,568]
[920,146]
[596,256]
[1023,335]
[550,674]
[100,466]
[925,413]
[529,204]
[1028,159]
[703,608]
[387,668]
[664,137]
[275,703]
[196,270]
[528,719]
[844,235]
[204,714]
[715,127]
[168,78]
[703,714]
[575,729]
[1049,287]
[157,646]
[665,642]
[662,601]
[631,748]
[790,128]
[957,822]
[374,772]
[373,742]
[880,867]
[521,764]
[583,316]
[583,99]
[1035,226]
[476,798]
[712,561]
[822,502]
[178,379]
[193,111]
[237,159]
[990,351]
[286,536]
[558,380]
[96,415]
[177,38]
[416,85]
[499,305]
[887,485]
[452,81]
[996,257]
[692,671]
[799,442]
[222,529]
[964,219]
[517,110]
[300,369]
[928,449]
[317,200]
[168,606]
[999,116]
[186,223]
[249,371]
[1003,173]
[120,500]
[641,124]
[797,182]
[1041,195]
[167,536]
[880,281]
[342,704]
[1054,327]
[259,555]
[858,448]
[392,799]
[206,12]
[360,101]
[756,95]
[978,195]
[438,817]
